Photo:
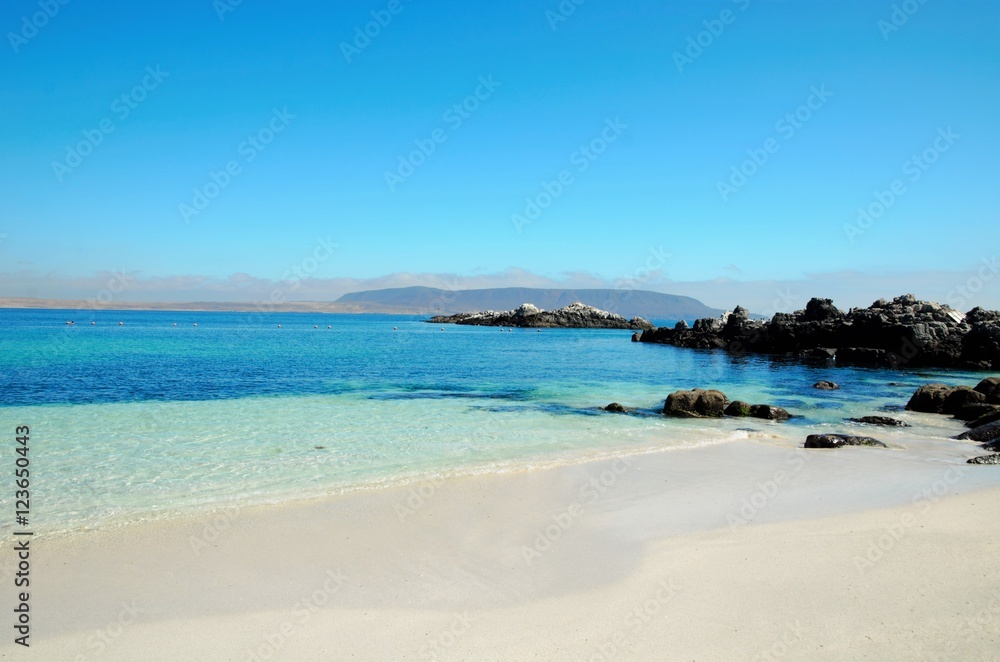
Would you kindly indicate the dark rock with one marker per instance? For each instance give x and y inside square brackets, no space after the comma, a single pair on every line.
[985,419]
[636,336]
[574,316]
[769,412]
[902,332]
[820,353]
[985,459]
[881,420]
[826,386]
[681,326]
[697,403]
[838,440]
[987,432]
[960,397]
[992,446]
[990,387]
[738,408]
[930,398]
[617,408]
[973,411]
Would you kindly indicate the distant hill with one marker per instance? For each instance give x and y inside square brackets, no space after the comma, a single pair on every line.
[628,303]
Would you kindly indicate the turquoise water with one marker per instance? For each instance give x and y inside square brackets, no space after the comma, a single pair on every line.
[147,419]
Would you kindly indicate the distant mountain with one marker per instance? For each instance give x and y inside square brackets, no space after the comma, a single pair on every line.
[433,301]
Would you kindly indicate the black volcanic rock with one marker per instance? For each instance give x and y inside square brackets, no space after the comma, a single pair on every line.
[838,440]
[575,316]
[697,403]
[881,420]
[901,332]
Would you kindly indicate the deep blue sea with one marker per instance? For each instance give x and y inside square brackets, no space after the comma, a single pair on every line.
[171,412]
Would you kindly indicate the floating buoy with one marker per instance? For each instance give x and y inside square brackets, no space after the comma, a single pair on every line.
[175,323]
[121,323]
[93,323]
[395,328]
[442,328]
[539,330]
[329,327]
[195,324]
[279,326]
[315,327]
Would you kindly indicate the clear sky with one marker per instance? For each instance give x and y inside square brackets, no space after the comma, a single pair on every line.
[413,154]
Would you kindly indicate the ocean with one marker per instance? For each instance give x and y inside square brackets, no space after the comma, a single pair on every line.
[173,413]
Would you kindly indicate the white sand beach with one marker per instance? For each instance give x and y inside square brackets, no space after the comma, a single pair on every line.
[740,551]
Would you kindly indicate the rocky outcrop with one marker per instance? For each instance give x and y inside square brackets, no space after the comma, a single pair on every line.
[768,412]
[697,403]
[616,408]
[980,404]
[880,420]
[992,446]
[985,459]
[826,386]
[575,316]
[838,440]
[901,332]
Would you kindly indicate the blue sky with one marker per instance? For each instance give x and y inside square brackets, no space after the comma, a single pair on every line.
[832,99]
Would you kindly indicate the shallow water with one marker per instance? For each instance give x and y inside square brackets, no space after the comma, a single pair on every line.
[147,419]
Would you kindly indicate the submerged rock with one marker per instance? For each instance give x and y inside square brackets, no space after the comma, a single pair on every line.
[992,446]
[880,420]
[838,440]
[985,459]
[697,403]
[616,408]
[826,386]
[575,316]
[769,412]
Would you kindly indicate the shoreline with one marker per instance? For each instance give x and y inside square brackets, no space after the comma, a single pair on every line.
[364,572]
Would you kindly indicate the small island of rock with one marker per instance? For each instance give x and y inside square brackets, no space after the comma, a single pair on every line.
[574,316]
